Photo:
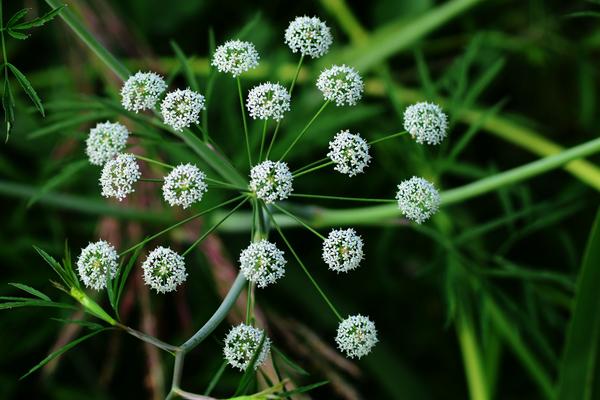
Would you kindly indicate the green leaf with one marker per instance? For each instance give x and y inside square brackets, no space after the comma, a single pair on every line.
[215,379]
[122,277]
[579,371]
[302,389]
[35,303]
[24,82]
[250,371]
[37,22]
[18,35]
[80,322]
[62,350]
[288,361]
[19,15]
[63,176]
[60,271]
[31,290]
[68,123]
[8,104]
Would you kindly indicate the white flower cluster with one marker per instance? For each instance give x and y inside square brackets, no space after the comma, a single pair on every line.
[164,270]
[235,57]
[418,199]
[181,108]
[341,84]
[262,263]
[119,175]
[309,36]
[142,90]
[242,342]
[105,140]
[343,250]
[349,152]
[184,186]
[356,336]
[271,181]
[268,101]
[426,123]
[97,263]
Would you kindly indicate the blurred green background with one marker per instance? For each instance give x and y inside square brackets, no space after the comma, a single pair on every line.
[529,64]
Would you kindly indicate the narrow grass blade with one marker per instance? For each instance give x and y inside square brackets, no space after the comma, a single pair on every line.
[24,82]
[30,290]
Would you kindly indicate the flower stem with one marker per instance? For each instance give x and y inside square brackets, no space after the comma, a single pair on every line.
[303,131]
[239,86]
[472,359]
[262,140]
[149,339]
[283,210]
[388,137]
[151,180]
[319,196]
[215,226]
[318,167]
[151,161]
[312,164]
[184,221]
[308,274]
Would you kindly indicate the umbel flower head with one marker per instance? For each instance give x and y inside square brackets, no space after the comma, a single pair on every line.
[141,91]
[105,141]
[343,250]
[268,101]
[235,57]
[164,270]
[262,263]
[341,84]
[309,36]
[418,199]
[356,336]
[184,186]
[97,263]
[349,152]
[242,342]
[119,175]
[426,123]
[181,108]
[271,181]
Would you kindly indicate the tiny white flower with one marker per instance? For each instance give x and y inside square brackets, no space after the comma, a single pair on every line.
[164,270]
[184,186]
[309,36]
[235,57]
[271,181]
[349,152]
[341,84]
[97,263]
[426,123]
[242,342]
[356,336]
[141,91]
[119,175]
[343,250]
[418,199]
[181,108]
[262,263]
[105,141]
[268,101]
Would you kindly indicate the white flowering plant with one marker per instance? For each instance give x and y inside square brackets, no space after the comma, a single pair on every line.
[159,149]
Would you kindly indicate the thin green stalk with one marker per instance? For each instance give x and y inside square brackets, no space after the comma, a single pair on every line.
[262,140]
[310,165]
[290,90]
[151,180]
[306,272]
[149,339]
[319,196]
[215,226]
[304,224]
[149,160]
[303,131]
[249,303]
[394,135]
[218,182]
[318,167]
[183,221]
[239,87]
[218,316]
[472,359]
